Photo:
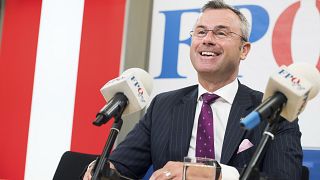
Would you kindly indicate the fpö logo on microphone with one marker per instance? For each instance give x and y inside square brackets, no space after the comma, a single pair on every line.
[295,81]
[300,88]
[140,89]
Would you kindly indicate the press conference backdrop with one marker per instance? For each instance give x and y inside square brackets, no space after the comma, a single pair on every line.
[282,32]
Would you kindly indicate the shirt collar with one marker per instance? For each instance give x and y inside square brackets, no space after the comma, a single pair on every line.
[227,92]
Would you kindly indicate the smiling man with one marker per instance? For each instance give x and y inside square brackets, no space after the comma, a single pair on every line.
[203,120]
[217,47]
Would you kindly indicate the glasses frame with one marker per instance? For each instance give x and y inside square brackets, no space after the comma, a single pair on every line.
[213,31]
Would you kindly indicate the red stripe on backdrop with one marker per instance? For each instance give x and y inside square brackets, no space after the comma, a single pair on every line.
[17,65]
[281,37]
[99,62]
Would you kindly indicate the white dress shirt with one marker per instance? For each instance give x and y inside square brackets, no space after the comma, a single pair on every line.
[221,109]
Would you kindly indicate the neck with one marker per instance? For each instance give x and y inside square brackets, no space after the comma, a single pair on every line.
[213,84]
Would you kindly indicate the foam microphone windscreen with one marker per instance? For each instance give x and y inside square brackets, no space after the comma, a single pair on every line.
[135,83]
[299,83]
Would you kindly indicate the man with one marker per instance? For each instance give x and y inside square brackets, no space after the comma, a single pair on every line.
[169,130]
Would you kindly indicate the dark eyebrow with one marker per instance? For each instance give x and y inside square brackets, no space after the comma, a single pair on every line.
[222,27]
[201,26]
[216,27]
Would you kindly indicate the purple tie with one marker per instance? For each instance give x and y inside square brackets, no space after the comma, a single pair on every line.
[205,139]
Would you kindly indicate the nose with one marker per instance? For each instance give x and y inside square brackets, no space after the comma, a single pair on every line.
[209,39]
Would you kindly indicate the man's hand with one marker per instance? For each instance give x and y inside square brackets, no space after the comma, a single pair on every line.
[172,170]
[87,175]
[200,173]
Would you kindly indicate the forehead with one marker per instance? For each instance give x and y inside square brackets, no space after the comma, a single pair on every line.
[211,18]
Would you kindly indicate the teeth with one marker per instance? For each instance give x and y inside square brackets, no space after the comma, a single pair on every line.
[207,53]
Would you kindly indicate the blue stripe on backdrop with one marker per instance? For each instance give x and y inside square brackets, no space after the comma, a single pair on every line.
[311,159]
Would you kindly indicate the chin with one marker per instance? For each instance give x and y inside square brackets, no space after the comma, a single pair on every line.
[205,70]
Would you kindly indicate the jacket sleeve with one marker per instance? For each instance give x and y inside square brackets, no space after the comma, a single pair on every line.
[132,157]
[283,158]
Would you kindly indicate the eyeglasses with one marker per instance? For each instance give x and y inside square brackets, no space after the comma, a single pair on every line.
[219,33]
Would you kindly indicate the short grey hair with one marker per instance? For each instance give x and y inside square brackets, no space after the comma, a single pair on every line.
[219,4]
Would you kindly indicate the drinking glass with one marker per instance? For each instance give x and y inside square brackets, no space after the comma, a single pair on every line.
[198,168]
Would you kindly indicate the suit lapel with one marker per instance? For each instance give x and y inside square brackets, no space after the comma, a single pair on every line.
[241,106]
[181,125]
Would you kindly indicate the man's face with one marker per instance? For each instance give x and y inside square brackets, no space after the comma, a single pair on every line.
[216,57]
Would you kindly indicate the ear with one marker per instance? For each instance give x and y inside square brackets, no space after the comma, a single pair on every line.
[245,48]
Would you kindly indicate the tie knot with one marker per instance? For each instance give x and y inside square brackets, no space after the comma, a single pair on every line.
[209,98]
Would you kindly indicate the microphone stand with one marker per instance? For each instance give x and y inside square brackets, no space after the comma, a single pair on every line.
[102,170]
[252,171]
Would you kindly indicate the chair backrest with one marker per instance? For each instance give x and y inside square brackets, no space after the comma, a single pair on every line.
[305,173]
[72,165]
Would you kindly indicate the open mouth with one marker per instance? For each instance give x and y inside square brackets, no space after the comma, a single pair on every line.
[209,53]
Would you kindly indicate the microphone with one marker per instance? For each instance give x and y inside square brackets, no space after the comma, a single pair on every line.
[290,89]
[125,94]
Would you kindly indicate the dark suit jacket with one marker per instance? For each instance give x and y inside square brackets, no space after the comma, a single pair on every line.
[164,132]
